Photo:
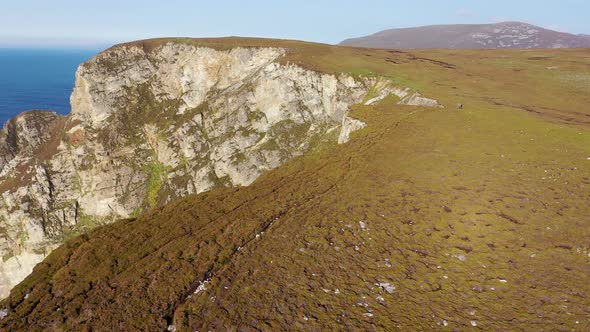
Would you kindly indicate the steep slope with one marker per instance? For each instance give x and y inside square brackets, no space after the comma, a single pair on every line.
[471,36]
[157,120]
[426,219]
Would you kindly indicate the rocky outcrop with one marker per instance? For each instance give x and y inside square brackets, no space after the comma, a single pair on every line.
[23,134]
[150,126]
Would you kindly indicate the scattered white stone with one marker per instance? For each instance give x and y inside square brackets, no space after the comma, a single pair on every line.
[202,286]
[472,312]
[3,313]
[380,299]
[337,291]
[473,323]
[445,323]
[27,295]
[171,328]
[446,276]
[357,248]
[305,318]
[389,288]
[362,224]
[502,280]
[460,257]
[368,314]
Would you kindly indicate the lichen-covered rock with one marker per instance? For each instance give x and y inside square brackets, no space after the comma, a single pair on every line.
[21,135]
[150,126]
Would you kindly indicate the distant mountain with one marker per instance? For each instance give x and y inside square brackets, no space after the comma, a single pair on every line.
[465,36]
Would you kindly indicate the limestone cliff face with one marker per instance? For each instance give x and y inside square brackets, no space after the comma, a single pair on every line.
[150,126]
[23,134]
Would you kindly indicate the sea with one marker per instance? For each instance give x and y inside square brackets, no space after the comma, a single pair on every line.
[38,79]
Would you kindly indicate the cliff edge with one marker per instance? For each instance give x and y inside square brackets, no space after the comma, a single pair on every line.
[156,120]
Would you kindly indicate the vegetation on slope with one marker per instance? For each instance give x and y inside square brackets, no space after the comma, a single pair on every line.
[428,218]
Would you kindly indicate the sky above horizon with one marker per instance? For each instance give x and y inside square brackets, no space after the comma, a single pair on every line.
[74,23]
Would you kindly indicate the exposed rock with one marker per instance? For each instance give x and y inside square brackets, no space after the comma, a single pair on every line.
[22,134]
[389,288]
[16,268]
[348,126]
[406,96]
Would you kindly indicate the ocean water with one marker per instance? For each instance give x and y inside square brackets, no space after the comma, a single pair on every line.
[38,79]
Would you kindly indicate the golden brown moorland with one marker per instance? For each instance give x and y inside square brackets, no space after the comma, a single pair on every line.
[427,219]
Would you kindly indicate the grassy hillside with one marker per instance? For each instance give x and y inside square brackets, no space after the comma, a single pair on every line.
[428,218]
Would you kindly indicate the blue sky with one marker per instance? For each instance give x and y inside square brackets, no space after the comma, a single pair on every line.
[90,23]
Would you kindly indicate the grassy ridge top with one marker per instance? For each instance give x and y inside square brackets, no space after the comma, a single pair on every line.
[426,219]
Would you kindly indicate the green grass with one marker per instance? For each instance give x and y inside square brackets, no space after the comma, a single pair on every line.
[84,225]
[135,213]
[360,72]
[373,92]
[156,175]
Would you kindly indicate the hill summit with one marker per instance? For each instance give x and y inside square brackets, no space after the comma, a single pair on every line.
[515,35]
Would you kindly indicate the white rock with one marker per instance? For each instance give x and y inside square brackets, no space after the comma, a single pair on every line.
[389,288]
[460,257]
